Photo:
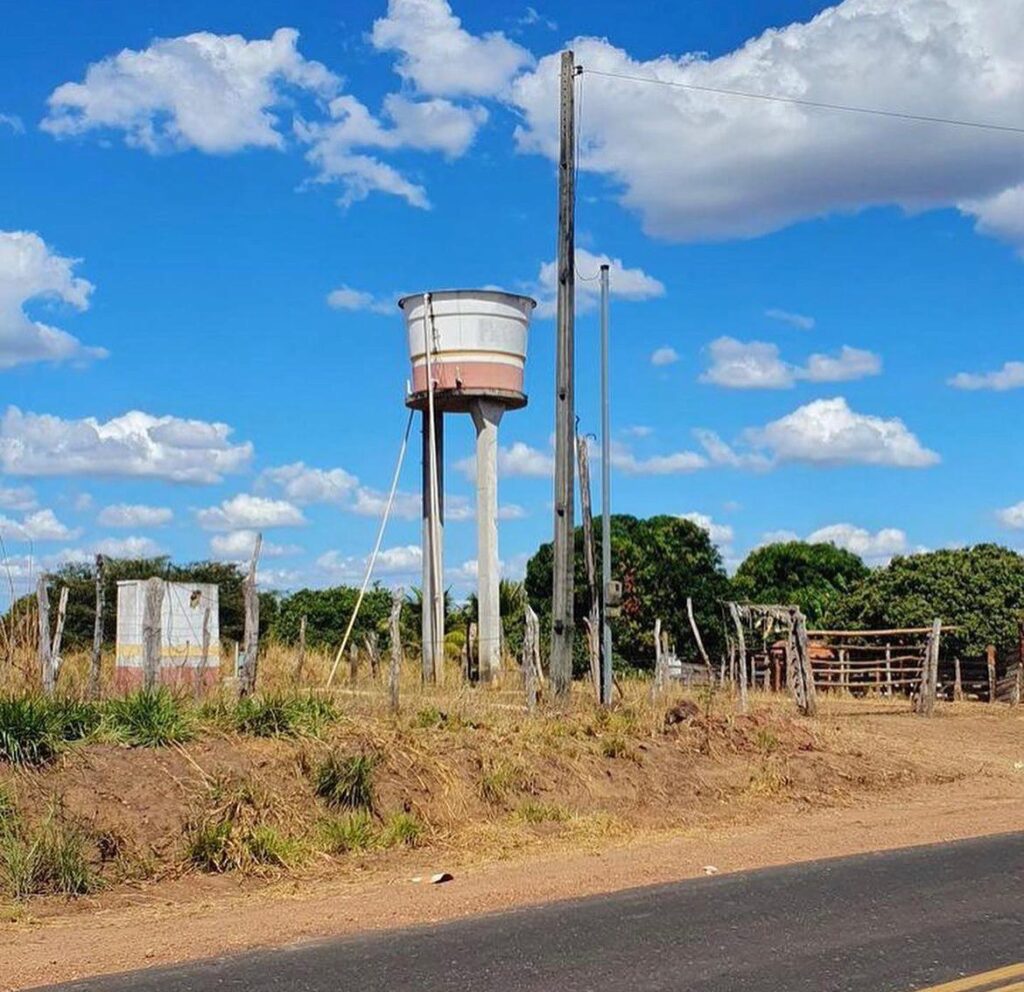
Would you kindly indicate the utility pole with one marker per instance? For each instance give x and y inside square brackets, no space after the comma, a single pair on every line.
[606,501]
[562,592]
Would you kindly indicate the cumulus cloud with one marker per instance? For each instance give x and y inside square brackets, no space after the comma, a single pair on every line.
[135,515]
[664,356]
[439,57]
[519,460]
[12,121]
[721,534]
[237,545]
[623,283]
[41,525]
[754,166]
[134,444]
[217,93]
[798,320]
[828,432]
[1012,516]
[127,547]
[245,511]
[876,548]
[346,298]
[624,460]
[1010,376]
[30,270]
[18,498]
[758,365]
[403,561]
[306,485]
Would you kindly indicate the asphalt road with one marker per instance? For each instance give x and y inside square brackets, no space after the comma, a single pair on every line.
[890,922]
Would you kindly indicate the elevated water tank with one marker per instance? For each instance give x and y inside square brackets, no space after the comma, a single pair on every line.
[477,347]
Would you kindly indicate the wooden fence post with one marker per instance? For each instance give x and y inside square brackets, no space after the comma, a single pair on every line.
[807,696]
[958,682]
[697,638]
[373,650]
[397,597]
[45,645]
[594,618]
[990,655]
[247,676]
[353,664]
[656,685]
[531,658]
[95,662]
[930,672]
[204,657]
[300,662]
[741,647]
[58,633]
[152,632]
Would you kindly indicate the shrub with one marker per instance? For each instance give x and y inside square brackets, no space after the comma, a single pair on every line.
[351,832]
[401,829]
[150,718]
[345,781]
[75,719]
[29,733]
[281,715]
[266,846]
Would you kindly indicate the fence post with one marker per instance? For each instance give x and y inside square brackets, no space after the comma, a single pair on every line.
[958,682]
[204,657]
[930,672]
[741,647]
[45,651]
[990,655]
[97,634]
[58,633]
[531,650]
[808,705]
[152,632]
[396,647]
[251,596]
[300,662]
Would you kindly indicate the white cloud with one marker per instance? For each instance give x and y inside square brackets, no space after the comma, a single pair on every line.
[757,365]
[876,548]
[134,444]
[305,485]
[41,525]
[1012,516]
[753,166]
[127,547]
[624,284]
[828,432]
[14,122]
[213,92]
[623,460]
[1010,376]
[721,534]
[346,298]
[638,430]
[664,356]
[723,455]
[439,57]
[404,561]
[747,365]
[237,545]
[424,125]
[135,515]
[18,498]
[245,511]
[533,17]
[778,537]
[29,270]
[512,511]
[519,460]
[798,320]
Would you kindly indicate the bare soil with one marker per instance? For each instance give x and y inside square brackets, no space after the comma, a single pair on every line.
[637,803]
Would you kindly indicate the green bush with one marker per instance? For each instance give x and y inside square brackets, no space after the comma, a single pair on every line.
[150,718]
[351,832]
[402,829]
[345,781]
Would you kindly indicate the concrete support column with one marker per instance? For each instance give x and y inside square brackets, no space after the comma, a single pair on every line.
[486,417]
[432,623]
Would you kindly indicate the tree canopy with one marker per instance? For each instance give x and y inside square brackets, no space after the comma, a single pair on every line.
[660,561]
[978,589]
[814,577]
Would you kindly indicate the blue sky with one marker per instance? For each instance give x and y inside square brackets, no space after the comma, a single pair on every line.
[208,210]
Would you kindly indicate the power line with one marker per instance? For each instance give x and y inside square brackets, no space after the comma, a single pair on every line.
[816,104]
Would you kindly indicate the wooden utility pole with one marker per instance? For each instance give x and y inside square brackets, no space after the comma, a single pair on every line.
[562,591]
[247,676]
[45,654]
[97,634]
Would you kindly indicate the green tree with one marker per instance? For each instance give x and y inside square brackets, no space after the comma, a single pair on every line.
[980,590]
[660,561]
[327,613]
[812,576]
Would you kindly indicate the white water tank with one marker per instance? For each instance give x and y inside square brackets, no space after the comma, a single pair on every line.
[476,339]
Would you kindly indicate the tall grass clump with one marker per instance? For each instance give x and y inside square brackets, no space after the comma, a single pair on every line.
[30,734]
[282,715]
[352,832]
[49,859]
[150,718]
[345,781]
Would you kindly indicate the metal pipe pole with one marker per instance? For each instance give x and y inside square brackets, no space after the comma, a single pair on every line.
[606,500]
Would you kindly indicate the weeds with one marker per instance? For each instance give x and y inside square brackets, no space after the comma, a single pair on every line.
[51,858]
[280,715]
[615,747]
[536,812]
[352,832]
[345,781]
[29,731]
[503,779]
[401,830]
[150,718]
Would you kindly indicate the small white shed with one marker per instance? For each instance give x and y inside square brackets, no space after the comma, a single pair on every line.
[189,622]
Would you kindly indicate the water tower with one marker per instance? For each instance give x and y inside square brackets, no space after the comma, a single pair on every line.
[468,353]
